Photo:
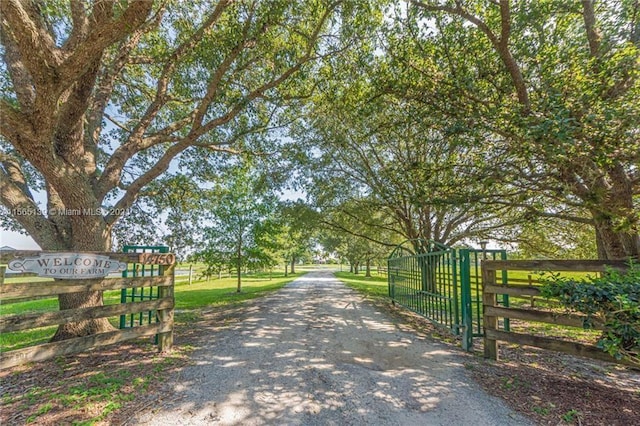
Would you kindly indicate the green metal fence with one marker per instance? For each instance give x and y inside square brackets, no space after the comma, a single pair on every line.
[139,294]
[442,284]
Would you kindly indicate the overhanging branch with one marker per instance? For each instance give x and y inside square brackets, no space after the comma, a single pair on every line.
[14,198]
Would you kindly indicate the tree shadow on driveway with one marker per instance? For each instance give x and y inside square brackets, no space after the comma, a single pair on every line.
[314,353]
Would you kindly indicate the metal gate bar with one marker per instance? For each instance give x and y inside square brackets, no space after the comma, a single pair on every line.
[427,284]
[138,294]
[443,285]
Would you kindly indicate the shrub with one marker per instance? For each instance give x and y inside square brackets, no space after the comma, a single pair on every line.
[612,299]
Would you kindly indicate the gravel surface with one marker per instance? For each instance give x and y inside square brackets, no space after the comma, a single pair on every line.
[315,353]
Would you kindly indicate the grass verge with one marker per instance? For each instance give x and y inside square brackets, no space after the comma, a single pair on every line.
[88,388]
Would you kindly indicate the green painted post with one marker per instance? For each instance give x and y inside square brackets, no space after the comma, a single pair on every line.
[456,299]
[389,278]
[465,287]
[133,294]
[123,299]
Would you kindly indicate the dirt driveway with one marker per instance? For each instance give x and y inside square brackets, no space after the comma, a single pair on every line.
[316,353]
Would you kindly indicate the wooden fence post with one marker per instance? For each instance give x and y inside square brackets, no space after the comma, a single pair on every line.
[11,292]
[165,316]
[490,322]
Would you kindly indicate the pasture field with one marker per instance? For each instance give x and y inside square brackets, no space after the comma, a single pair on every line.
[200,294]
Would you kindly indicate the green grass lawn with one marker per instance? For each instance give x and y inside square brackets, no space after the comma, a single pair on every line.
[217,292]
[189,300]
[375,286]
[26,279]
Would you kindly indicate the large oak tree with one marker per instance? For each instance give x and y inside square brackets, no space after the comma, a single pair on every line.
[370,149]
[100,97]
[556,83]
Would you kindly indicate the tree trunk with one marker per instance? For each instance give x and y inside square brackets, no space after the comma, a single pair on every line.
[356,268]
[286,269]
[601,252]
[428,272]
[614,244]
[81,328]
[239,268]
[96,238]
[293,265]
[368,273]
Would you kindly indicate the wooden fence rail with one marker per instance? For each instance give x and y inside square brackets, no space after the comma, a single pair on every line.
[18,292]
[492,311]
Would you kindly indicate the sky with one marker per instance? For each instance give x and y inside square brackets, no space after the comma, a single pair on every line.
[17,241]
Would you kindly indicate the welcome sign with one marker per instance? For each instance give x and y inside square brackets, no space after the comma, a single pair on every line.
[68,265]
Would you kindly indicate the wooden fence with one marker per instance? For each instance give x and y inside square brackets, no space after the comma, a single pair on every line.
[517,288]
[20,292]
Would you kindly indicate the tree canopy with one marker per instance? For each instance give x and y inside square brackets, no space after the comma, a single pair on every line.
[443,120]
[555,84]
[99,99]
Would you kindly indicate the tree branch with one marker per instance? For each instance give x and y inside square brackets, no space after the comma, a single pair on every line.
[162,84]
[30,34]
[593,36]
[212,88]
[33,221]
[102,35]
[500,44]
[107,79]
[136,141]
[15,126]
[355,234]
[156,170]
[458,10]
[69,124]
[80,21]
[20,77]
[14,173]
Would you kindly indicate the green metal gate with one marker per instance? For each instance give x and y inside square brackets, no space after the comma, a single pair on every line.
[139,294]
[442,284]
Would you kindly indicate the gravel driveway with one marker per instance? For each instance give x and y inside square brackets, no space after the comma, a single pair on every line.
[315,354]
